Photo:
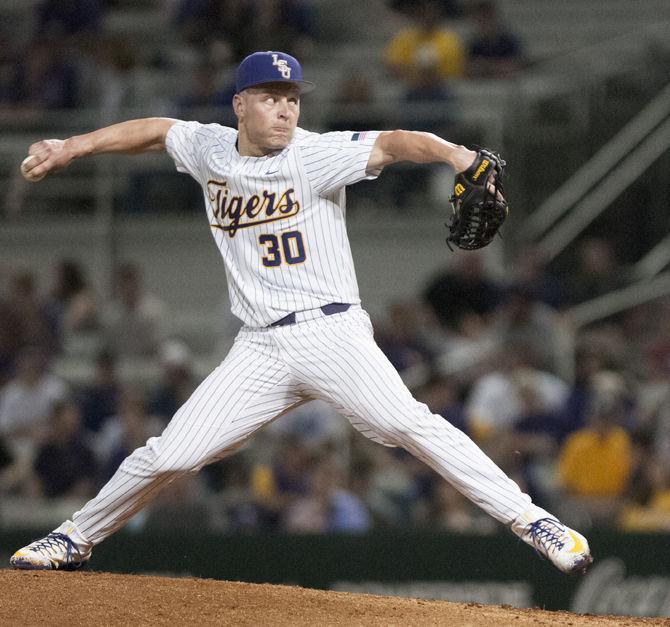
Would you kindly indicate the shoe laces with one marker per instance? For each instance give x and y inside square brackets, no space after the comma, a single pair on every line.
[58,541]
[547,534]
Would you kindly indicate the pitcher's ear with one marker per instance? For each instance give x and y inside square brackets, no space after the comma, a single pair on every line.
[238,105]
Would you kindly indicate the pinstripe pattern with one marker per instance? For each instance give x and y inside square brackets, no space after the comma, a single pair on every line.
[249,388]
[340,363]
[317,167]
[271,369]
[333,358]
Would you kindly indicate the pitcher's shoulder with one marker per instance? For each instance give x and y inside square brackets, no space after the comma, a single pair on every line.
[302,137]
[225,134]
[209,133]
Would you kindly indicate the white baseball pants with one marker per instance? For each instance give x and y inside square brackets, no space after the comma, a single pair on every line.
[269,370]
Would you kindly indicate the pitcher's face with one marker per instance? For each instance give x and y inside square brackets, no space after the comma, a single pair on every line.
[268,115]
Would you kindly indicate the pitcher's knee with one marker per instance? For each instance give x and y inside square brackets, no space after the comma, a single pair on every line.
[155,459]
[420,425]
[390,433]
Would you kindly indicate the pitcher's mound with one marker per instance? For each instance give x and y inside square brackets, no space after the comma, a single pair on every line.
[89,598]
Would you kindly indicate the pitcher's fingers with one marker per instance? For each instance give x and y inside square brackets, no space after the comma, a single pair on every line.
[41,170]
[28,164]
[32,169]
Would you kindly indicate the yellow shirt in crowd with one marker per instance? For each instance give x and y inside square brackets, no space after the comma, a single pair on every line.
[655,516]
[594,465]
[414,47]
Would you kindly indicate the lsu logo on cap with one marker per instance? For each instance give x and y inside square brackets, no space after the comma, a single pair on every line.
[281,65]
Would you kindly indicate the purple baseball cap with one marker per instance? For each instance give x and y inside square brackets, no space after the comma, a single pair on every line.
[270,67]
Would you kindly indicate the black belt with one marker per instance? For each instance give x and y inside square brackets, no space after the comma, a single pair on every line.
[328,310]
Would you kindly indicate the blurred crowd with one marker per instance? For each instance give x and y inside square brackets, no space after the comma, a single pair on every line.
[75,56]
[109,60]
[579,417]
[74,59]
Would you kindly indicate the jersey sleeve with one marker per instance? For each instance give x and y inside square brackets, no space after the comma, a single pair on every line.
[334,160]
[188,143]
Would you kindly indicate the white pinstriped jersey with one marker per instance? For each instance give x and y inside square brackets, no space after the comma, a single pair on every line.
[278,220]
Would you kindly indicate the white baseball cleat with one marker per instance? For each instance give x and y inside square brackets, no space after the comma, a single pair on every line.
[63,549]
[565,548]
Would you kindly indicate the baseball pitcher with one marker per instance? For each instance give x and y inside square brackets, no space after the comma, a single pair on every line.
[275,200]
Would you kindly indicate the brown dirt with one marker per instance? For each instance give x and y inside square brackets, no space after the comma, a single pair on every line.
[48,598]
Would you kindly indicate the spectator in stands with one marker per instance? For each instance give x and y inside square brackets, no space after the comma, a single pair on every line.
[45,78]
[27,400]
[598,272]
[113,85]
[233,508]
[100,399]
[8,65]
[530,269]
[465,288]
[592,357]
[383,511]
[644,462]
[530,446]
[122,433]
[178,381]
[430,103]
[402,340]
[286,25]
[393,484]
[27,317]
[135,322]
[468,348]
[355,103]
[426,43]
[278,484]
[653,393]
[443,395]
[496,400]
[26,403]
[69,18]
[595,462]
[5,458]
[10,343]
[317,424]
[64,466]
[241,26]
[231,23]
[413,8]
[658,347]
[206,99]
[493,50]
[653,514]
[72,303]
[521,319]
[328,507]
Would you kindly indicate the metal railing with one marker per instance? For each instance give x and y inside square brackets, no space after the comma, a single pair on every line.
[598,167]
[607,191]
[654,261]
[619,300]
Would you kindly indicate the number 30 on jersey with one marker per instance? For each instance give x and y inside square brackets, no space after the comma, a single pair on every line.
[287,247]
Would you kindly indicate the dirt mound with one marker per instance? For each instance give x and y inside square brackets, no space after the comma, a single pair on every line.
[31,598]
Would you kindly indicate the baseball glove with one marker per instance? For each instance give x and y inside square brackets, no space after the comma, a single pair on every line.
[478,203]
